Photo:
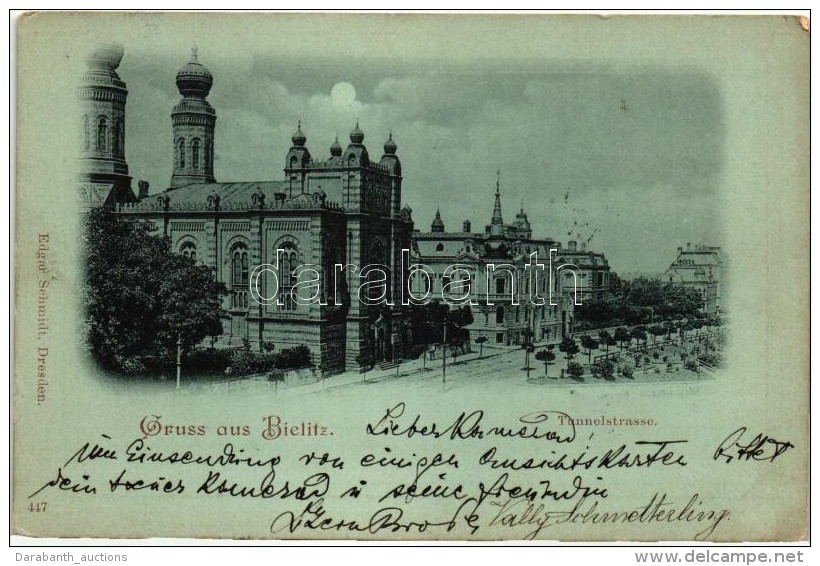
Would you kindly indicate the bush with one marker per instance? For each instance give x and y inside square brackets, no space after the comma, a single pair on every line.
[627,371]
[574,369]
[207,361]
[297,357]
[691,365]
[605,369]
[711,359]
[133,366]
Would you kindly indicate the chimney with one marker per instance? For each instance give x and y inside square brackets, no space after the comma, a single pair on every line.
[467,226]
[688,246]
[583,246]
[680,250]
[572,245]
[143,189]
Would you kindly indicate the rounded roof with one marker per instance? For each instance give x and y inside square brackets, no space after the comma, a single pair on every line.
[298,137]
[390,146]
[356,136]
[193,79]
[335,148]
[106,56]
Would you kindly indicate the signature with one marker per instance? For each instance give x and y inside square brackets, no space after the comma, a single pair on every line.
[762,448]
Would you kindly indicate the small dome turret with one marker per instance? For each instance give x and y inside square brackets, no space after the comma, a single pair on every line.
[193,79]
[335,148]
[357,136]
[390,146]
[438,223]
[298,137]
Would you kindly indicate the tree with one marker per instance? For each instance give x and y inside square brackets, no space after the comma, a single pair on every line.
[480,341]
[569,347]
[639,333]
[656,331]
[429,320]
[603,338]
[140,297]
[546,356]
[622,335]
[590,344]
[575,370]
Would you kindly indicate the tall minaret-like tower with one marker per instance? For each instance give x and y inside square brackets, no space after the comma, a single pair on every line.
[193,120]
[496,228]
[103,176]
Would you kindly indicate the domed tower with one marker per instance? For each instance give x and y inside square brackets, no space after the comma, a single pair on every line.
[296,160]
[335,148]
[438,223]
[522,224]
[102,97]
[356,153]
[193,121]
[390,160]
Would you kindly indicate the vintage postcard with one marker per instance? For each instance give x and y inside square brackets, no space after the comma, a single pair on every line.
[411,277]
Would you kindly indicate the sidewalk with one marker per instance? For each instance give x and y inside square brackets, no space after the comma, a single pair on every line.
[407,368]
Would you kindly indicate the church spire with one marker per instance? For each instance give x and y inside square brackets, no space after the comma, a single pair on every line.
[497,223]
[438,223]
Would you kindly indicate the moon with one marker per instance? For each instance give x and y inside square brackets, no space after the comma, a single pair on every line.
[343,94]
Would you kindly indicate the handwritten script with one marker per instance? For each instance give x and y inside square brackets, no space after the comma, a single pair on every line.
[412,477]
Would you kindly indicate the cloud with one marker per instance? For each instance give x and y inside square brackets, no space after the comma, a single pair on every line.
[640,149]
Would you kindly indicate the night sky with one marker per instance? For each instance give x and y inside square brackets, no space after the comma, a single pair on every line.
[601,145]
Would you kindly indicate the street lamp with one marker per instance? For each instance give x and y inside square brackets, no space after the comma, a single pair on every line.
[179,359]
[528,347]
[444,355]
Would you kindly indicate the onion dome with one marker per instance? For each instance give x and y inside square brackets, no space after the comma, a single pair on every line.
[335,148]
[298,137]
[193,79]
[356,136]
[390,146]
[106,57]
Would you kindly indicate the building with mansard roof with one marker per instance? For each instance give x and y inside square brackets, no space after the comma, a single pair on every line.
[506,302]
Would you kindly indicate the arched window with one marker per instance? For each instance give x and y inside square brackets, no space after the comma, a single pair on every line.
[499,315]
[102,133]
[239,276]
[188,250]
[500,285]
[86,134]
[195,145]
[181,153]
[288,255]
[239,265]
[294,162]
[209,156]
[440,247]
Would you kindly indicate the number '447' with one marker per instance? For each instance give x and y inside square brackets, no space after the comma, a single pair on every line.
[39,507]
